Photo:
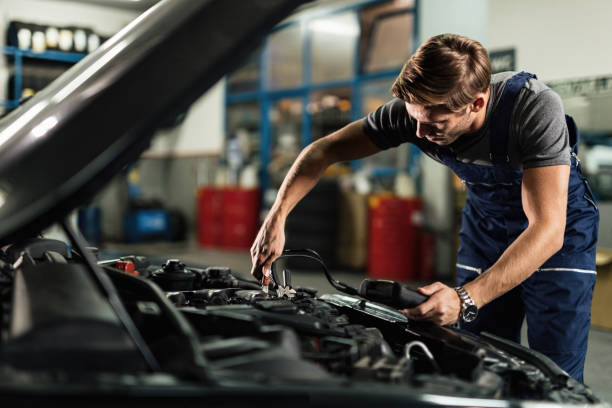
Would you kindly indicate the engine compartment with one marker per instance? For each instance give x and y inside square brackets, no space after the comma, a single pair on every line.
[207,326]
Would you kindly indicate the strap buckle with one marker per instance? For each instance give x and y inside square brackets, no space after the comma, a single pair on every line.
[493,160]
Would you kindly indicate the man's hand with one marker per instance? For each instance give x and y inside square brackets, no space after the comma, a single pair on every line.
[268,245]
[442,307]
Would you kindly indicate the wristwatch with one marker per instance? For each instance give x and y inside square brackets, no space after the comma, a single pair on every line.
[469,310]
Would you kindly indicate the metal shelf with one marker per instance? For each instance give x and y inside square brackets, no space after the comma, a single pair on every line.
[18,55]
[266,97]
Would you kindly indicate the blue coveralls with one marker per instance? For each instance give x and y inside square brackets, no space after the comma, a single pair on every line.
[556,299]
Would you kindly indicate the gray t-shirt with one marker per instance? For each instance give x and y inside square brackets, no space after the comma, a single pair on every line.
[538,135]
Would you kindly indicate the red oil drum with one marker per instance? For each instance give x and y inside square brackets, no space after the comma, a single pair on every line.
[394,238]
[209,206]
[240,217]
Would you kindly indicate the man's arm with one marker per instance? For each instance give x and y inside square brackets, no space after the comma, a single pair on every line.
[348,143]
[544,200]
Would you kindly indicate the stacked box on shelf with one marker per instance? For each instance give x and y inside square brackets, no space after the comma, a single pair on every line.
[602,294]
[352,250]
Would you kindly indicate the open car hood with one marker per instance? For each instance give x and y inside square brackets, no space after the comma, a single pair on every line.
[57,149]
[74,331]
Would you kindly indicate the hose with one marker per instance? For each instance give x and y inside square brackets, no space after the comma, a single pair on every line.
[425,349]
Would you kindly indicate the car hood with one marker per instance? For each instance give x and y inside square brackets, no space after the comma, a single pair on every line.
[58,148]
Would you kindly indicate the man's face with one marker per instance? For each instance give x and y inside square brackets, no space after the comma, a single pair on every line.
[439,125]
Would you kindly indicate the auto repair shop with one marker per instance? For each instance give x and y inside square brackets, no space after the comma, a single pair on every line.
[212,171]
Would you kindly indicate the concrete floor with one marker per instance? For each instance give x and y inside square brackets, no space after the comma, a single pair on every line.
[598,367]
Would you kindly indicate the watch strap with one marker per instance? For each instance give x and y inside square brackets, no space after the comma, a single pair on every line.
[465,298]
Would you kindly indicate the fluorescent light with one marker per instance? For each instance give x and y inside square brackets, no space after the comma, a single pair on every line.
[335,27]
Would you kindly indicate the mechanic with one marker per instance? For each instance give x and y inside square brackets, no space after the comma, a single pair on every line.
[529,226]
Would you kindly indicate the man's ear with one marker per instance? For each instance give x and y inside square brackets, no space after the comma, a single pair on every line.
[478,104]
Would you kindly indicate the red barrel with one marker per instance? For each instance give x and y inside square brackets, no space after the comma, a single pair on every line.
[394,238]
[209,216]
[240,217]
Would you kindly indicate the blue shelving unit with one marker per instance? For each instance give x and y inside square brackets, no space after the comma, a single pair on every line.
[266,98]
[18,55]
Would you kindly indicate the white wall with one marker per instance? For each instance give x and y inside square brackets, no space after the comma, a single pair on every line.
[555,39]
[469,18]
[200,134]
[465,17]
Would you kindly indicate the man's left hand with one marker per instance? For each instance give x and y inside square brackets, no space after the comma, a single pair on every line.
[442,307]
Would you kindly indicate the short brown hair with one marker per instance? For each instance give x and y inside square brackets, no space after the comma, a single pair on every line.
[448,70]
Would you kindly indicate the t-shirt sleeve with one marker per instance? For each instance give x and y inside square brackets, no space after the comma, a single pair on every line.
[543,135]
[389,125]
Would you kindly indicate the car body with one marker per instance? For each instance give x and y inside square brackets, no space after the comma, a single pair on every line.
[124,332]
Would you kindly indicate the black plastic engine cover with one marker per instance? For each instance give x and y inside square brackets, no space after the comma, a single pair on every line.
[59,320]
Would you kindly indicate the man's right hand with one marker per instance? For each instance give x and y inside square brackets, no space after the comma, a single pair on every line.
[268,245]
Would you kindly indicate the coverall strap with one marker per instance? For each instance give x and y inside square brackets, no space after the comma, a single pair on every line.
[503,113]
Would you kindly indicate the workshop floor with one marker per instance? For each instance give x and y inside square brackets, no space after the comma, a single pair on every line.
[598,368]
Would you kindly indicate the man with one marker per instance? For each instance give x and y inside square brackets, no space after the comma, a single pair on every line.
[529,226]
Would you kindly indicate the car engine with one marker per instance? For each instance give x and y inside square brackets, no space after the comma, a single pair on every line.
[207,324]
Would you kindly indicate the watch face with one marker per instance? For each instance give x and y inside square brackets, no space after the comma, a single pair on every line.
[470,313]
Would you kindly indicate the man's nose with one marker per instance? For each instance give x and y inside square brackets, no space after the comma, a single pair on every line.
[422,130]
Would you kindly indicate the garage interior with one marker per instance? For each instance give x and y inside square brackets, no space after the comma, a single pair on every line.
[201,190]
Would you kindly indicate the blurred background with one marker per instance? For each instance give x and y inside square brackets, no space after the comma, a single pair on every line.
[201,190]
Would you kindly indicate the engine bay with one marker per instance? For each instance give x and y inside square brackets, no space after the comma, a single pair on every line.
[208,325]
